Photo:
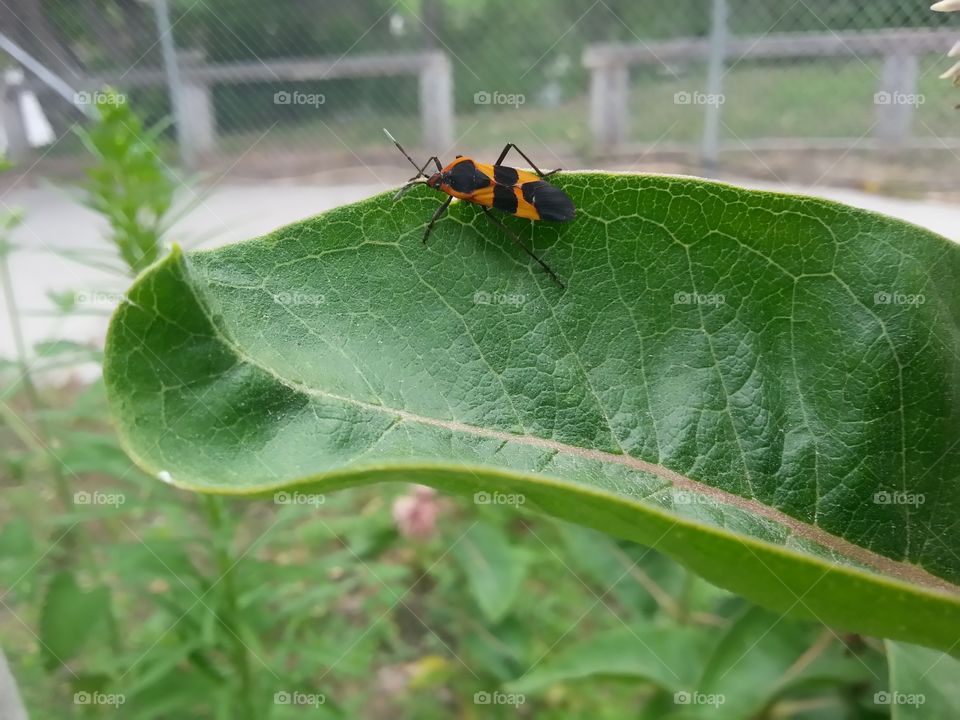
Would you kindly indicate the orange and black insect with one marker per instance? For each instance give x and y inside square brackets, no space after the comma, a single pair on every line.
[516,192]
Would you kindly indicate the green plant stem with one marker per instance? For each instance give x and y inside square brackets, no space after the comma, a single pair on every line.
[229,610]
[41,433]
[685,598]
[38,439]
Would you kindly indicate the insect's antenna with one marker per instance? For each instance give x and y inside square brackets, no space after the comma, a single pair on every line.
[400,148]
[406,188]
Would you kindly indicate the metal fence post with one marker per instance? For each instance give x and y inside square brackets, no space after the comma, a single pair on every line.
[197,118]
[174,83]
[716,60]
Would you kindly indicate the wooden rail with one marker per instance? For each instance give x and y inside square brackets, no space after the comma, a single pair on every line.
[609,65]
[194,108]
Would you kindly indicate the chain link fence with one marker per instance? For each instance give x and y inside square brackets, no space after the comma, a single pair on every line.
[303,87]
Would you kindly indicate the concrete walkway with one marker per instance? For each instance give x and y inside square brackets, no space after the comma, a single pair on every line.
[55,221]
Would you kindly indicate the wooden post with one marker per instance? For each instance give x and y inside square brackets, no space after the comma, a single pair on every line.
[609,96]
[436,101]
[194,113]
[897,98]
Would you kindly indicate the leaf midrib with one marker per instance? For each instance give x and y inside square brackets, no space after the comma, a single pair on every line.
[905,572]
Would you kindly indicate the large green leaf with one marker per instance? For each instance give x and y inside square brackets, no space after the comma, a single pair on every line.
[923,684]
[738,378]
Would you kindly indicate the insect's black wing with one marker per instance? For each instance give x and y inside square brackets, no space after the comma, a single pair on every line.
[551,202]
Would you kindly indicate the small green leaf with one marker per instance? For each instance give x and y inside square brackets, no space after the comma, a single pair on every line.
[760,386]
[666,657]
[70,616]
[494,569]
[66,300]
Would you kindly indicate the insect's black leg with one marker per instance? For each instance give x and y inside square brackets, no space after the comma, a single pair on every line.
[436,216]
[432,158]
[537,170]
[519,242]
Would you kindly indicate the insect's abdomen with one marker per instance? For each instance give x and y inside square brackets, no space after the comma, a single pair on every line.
[547,201]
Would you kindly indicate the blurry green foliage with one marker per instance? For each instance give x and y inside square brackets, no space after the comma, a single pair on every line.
[128,184]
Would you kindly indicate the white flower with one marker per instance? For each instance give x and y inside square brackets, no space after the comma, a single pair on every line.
[953,74]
